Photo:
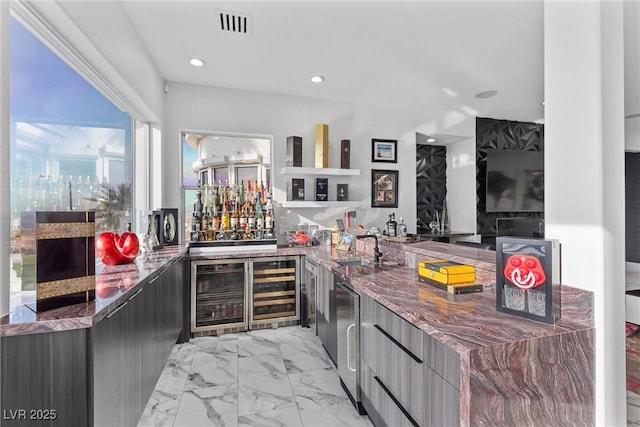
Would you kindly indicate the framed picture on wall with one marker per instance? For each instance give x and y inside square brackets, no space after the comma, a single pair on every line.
[384,150]
[384,188]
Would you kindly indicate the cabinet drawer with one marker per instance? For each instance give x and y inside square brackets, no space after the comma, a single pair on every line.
[383,408]
[402,331]
[442,401]
[398,368]
[443,360]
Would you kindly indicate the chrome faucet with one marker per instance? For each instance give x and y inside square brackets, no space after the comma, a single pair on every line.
[376,250]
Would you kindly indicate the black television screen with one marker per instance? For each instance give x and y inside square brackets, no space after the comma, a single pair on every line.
[515,181]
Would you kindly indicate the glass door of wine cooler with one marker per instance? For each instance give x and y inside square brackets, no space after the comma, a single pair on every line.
[218,296]
[275,290]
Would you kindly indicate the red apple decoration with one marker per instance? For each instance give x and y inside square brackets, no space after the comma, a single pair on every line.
[114,249]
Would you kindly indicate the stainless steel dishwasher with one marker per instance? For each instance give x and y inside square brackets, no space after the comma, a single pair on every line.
[348,326]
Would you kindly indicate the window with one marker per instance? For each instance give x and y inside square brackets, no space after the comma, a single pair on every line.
[71,147]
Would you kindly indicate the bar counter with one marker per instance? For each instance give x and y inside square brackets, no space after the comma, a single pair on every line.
[512,369]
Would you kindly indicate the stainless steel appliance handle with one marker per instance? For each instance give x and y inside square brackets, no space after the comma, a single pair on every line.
[351,326]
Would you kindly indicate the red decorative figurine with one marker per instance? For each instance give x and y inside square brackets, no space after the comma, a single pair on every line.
[114,249]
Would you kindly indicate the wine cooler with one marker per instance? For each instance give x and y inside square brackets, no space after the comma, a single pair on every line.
[218,296]
[275,290]
[236,295]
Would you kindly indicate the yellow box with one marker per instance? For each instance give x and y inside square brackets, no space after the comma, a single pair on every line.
[447,272]
[322,146]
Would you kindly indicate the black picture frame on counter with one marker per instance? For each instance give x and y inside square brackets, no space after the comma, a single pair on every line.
[170,223]
[384,150]
[384,188]
[528,278]
[156,230]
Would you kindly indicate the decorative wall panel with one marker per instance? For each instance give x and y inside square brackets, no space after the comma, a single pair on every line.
[431,183]
[494,134]
[632,206]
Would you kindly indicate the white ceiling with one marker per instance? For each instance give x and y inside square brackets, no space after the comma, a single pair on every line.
[424,56]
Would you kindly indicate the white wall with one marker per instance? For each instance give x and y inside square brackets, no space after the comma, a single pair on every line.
[202,108]
[584,174]
[461,185]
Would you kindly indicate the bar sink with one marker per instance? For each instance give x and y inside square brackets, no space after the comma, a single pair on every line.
[353,261]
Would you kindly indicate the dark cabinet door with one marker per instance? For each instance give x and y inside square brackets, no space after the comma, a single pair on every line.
[150,337]
[44,379]
[117,366]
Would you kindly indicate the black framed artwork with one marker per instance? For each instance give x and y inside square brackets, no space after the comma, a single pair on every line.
[384,188]
[384,150]
[528,278]
[170,226]
[156,230]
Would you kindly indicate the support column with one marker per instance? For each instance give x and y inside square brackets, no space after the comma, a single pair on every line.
[584,174]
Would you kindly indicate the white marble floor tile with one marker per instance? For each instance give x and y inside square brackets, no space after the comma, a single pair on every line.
[208,370]
[160,410]
[227,343]
[336,418]
[212,406]
[323,402]
[263,341]
[265,365]
[183,353]
[309,379]
[286,417]
[173,378]
[301,361]
[268,377]
[264,393]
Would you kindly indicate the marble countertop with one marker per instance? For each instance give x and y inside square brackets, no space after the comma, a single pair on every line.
[463,322]
[114,284]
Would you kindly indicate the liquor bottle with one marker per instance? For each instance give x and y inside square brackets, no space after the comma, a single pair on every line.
[234,218]
[216,198]
[262,195]
[268,220]
[402,228]
[260,221]
[216,221]
[391,226]
[225,219]
[242,194]
[259,207]
[243,220]
[251,220]
[204,222]
[195,223]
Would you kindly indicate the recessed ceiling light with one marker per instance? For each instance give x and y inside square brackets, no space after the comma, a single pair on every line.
[431,140]
[486,94]
[317,79]
[197,62]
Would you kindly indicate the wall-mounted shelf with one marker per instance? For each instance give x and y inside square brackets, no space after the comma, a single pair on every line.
[312,204]
[290,170]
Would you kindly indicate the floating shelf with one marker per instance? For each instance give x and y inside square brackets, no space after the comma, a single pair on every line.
[290,170]
[311,204]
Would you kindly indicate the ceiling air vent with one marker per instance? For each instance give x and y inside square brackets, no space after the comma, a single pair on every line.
[234,22]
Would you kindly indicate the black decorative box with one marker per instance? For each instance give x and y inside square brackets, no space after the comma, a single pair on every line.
[342,192]
[322,189]
[528,278]
[294,151]
[297,189]
[58,256]
[345,153]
